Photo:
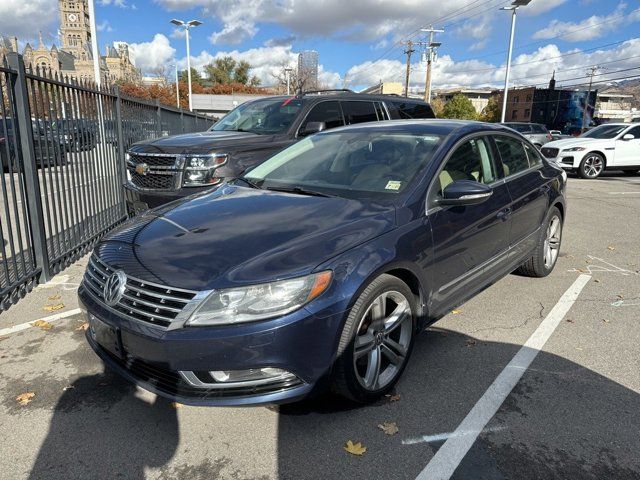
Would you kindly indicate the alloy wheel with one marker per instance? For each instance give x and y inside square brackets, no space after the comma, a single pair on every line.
[593,166]
[382,340]
[552,242]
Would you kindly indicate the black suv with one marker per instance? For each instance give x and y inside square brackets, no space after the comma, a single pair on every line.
[169,168]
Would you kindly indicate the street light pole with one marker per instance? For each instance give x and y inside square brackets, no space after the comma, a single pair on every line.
[287,72]
[177,88]
[513,7]
[187,26]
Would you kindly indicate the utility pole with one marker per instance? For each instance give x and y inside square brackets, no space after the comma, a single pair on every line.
[287,72]
[592,71]
[408,53]
[432,55]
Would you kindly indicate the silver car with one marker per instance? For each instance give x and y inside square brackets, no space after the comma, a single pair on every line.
[536,133]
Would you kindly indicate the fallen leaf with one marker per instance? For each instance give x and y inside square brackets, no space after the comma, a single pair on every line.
[176,405]
[611,248]
[471,343]
[582,270]
[53,308]
[355,448]
[393,398]
[620,297]
[389,428]
[456,312]
[570,321]
[25,398]
[596,281]
[579,348]
[55,297]
[44,325]
[605,320]
[84,326]
[68,387]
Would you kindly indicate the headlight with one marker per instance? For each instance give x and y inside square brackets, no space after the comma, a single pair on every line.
[200,169]
[574,149]
[259,302]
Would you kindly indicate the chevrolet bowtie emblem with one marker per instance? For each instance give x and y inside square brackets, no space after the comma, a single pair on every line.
[142,169]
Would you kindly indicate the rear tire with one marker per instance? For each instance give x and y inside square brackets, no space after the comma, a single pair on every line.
[376,341]
[545,255]
[592,166]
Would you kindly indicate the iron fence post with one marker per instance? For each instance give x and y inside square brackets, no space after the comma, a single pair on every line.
[159,115]
[182,121]
[32,184]
[122,162]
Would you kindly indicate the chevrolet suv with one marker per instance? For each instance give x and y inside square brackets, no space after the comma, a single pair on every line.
[169,168]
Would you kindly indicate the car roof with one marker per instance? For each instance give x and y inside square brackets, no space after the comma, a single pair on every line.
[342,96]
[427,126]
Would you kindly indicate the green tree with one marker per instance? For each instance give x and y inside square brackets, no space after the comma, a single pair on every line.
[241,73]
[195,76]
[459,107]
[437,104]
[491,113]
[221,70]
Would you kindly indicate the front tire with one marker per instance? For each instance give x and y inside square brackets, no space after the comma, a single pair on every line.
[592,166]
[545,255]
[376,340]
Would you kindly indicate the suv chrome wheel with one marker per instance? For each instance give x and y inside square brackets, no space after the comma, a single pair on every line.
[382,341]
[593,166]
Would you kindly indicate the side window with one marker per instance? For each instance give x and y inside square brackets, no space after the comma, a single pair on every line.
[533,155]
[470,161]
[635,131]
[412,110]
[359,112]
[538,128]
[514,157]
[327,112]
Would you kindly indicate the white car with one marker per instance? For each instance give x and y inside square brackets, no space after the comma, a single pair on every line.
[612,146]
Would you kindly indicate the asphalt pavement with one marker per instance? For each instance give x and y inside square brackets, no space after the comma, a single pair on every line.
[573,412]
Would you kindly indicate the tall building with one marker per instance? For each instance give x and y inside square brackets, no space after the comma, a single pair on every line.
[74,58]
[308,69]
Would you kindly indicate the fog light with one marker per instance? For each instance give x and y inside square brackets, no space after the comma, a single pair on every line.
[230,376]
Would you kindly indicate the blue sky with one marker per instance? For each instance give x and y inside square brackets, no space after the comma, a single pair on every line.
[566,35]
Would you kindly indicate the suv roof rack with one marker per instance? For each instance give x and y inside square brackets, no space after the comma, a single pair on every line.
[320,92]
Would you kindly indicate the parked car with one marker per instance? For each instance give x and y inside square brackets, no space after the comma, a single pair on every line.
[168,168]
[536,133]
[79,134]
[613,146]
[320,266]
[49,150]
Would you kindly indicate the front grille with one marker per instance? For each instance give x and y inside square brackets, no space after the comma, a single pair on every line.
[550,152]
[171,383]
[144,301]
[163,171]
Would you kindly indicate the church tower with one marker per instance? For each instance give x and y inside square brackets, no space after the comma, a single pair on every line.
[75,30]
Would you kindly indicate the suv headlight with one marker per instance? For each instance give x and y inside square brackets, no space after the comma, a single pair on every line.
[574,149]
[200,169]
[259,302]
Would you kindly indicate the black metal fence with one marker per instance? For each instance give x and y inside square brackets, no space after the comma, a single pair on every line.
[62,148]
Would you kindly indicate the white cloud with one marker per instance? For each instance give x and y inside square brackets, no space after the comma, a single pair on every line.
[178,32]
[538,7]
[25,18]
[153,55]
[595,26]
[115,3]
[104,27]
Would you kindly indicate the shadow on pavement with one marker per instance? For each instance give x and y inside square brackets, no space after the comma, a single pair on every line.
[100,430]
[562,421]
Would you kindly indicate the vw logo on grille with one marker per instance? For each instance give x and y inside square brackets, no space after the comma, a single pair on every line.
[114,287]
[142,169]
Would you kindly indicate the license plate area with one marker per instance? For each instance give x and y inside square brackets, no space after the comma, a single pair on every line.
[106,336]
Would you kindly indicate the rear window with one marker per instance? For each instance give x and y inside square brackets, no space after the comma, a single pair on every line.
[409,110]
[537,128]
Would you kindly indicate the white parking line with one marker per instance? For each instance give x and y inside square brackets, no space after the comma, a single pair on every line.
[49,319]
[439,437]
[624,193]
[449,456]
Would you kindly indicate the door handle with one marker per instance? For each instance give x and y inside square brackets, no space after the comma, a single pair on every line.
[505,214]
[545,188]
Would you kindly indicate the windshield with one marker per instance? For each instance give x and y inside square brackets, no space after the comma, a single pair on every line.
[266,116]
[351,164]
[605,131]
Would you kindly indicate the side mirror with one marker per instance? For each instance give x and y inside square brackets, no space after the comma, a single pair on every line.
[628,136]
[311,128]
[465,192]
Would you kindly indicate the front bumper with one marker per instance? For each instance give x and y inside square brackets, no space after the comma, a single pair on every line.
[139,200]
[301,343]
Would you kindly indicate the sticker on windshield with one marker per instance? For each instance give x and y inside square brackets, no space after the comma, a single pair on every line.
[393,185]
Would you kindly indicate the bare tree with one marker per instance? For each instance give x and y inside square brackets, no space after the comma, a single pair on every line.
[298,81]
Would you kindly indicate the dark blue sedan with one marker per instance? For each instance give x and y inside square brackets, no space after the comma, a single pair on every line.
[318,268]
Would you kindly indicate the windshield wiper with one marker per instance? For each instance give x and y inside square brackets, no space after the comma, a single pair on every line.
[300,191]
[249,182]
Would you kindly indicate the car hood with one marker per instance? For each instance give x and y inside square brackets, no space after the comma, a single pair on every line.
[576,142]
[237,236]
[202,142]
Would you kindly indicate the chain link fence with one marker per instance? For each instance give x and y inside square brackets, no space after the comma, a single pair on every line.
[62,149]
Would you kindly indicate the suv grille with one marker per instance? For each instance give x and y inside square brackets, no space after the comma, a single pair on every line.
[161,173]
[550,152]
[148,302]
